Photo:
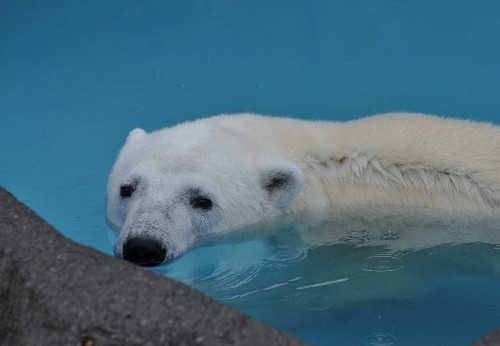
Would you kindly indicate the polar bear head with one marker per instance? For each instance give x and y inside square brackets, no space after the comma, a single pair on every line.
[171,187]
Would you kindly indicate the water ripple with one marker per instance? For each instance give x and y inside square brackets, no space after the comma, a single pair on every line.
[313,302]
[326,283]
[219,283]
[381,263]
[356,237]
[380,339]
[390,235]
[283,255]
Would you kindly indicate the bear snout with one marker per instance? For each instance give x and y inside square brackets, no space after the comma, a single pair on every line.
[144,252]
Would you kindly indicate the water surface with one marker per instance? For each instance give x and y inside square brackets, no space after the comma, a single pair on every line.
[77,76]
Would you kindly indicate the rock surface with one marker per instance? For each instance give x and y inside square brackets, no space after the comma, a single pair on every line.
[492,339]
[56,292]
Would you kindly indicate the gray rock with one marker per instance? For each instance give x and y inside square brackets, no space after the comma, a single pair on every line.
[56,292]
[492,339]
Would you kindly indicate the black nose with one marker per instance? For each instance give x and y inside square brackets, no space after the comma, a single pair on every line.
[144,252]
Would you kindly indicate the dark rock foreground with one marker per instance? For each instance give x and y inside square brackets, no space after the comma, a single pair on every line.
[56,292]
[492,339]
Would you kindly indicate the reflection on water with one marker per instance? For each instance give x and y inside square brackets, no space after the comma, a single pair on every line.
[372,282]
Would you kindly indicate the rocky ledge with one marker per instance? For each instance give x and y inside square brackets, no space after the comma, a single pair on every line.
[56,292]
[492,339]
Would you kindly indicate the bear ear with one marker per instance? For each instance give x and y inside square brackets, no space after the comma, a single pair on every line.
[283,182]
[134,135]
[133,138]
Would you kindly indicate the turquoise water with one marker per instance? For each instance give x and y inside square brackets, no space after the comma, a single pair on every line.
[76,76]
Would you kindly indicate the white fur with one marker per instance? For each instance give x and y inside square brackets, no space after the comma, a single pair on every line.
[392,159]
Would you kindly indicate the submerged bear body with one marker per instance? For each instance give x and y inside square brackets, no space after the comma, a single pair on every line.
[171,187]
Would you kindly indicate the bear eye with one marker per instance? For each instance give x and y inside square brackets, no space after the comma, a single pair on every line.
[126,190]
[201,203]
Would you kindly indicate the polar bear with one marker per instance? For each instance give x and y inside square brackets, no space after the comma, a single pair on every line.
[174,186]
